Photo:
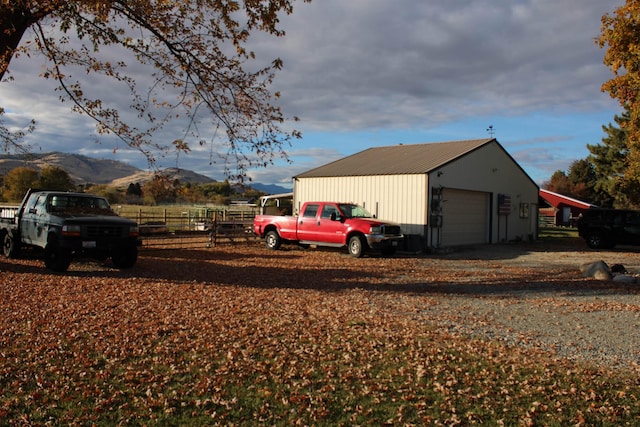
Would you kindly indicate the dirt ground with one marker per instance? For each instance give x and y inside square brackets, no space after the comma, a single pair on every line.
[554,252]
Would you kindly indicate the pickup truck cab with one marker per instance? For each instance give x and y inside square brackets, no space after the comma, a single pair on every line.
[330,224]
[67,225]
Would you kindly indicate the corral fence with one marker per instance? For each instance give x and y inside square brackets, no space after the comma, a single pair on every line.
[179,227]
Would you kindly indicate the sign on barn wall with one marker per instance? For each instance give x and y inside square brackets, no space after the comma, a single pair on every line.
[504,204]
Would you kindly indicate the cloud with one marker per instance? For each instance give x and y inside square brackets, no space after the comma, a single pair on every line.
[365,66]
[544,161]
[377,64]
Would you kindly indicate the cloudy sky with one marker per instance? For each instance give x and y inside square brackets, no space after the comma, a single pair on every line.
[363,73]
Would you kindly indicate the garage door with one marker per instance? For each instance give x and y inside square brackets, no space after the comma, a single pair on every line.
[465,217]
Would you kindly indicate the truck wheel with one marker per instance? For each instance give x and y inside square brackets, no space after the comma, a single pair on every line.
[596,240]
[10,247]
[272,240]
[57,259]
[125,258]
[356,246]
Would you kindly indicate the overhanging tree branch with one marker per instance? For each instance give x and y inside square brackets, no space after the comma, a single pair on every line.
[196,49]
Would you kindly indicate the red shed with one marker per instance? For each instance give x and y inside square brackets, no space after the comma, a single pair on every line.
[560,210]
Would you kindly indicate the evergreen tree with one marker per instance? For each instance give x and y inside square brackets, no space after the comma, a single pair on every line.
[610,161]
[134,189]
[582,177]
[578,183]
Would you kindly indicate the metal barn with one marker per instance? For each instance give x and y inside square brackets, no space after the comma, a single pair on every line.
[442,194]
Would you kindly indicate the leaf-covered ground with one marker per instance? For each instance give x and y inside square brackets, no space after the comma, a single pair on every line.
[238,335]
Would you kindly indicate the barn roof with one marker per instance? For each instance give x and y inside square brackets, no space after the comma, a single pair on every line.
[397,159]
[555,200]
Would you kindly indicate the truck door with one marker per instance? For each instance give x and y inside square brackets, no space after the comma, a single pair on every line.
[330,230]
[32,225]
[308,223]
[631,232]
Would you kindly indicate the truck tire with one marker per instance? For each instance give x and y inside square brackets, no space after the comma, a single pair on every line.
[10,245]
[273,240]
[56,258]
[597,240]
[356,246]
[125,258]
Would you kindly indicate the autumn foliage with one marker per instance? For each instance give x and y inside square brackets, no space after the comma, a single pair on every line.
[198,70]
[620,32]
[237,335]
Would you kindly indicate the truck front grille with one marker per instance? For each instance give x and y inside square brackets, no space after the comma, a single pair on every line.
[103,231]
[391,230]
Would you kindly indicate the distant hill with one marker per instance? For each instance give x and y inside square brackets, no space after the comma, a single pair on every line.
[83,169]
[270,188]
[88,170]
[183,175]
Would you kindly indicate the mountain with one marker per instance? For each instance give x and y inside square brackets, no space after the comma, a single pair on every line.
[270,188]
[83,169]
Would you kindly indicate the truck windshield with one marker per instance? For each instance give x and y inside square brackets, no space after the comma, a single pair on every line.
[354,211]
[63,203]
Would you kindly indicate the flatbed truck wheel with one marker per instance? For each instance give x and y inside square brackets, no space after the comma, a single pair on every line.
[10,245]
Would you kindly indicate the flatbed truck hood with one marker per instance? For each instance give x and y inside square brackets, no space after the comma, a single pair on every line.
[103,219]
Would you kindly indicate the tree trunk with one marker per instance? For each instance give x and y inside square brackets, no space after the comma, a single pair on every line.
[14,22]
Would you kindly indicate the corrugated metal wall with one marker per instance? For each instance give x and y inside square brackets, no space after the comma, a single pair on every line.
[399,198]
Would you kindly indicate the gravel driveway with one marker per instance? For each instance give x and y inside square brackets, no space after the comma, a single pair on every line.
[556,309]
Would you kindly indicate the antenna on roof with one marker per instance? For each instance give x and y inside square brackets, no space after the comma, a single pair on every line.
[491,130]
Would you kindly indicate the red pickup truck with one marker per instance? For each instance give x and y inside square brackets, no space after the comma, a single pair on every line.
[330,224]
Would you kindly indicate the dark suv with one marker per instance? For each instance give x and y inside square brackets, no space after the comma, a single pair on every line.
[604,228]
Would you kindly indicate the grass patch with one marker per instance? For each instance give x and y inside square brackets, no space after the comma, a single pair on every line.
[557,233]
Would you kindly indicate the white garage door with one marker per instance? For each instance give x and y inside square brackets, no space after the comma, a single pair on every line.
[465,217]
